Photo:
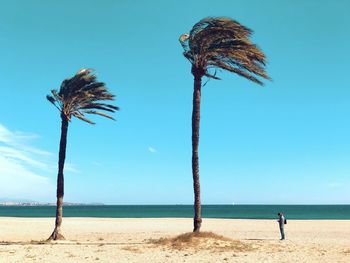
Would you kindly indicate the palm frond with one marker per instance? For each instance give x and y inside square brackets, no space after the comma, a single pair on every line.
[81,94]
[81,117]
[99,113]
[223,43]
[53,101]
[101,106]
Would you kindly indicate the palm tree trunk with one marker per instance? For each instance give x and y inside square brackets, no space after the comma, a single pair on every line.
[195,141]
[56,234]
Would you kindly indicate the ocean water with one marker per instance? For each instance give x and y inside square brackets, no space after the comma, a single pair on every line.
[161,211]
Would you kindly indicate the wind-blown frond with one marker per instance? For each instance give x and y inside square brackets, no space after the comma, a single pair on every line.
[80,117]
[82,94]
[99,113]
[223,43]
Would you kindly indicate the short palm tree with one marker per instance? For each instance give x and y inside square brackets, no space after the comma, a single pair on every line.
[79,95]
[217,43]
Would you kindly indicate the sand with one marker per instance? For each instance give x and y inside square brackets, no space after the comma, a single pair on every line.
[137,240]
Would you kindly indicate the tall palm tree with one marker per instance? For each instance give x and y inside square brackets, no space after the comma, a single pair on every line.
[217,43]
[79,95]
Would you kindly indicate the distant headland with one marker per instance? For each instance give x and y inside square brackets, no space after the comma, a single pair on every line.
[25,202]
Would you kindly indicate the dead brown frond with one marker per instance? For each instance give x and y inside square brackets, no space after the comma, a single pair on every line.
[223,43]
[202,241]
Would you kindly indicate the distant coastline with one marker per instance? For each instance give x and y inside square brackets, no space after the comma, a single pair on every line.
[14,202]
[49,204]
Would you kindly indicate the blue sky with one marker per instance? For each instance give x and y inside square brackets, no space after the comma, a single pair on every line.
[288,142]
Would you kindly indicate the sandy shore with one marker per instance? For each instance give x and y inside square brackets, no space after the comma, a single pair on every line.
[127,240]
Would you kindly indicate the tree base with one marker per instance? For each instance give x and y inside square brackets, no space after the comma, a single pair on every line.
[56,235]
[197,225]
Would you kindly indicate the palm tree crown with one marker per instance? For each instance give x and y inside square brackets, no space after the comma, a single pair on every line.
[223,43]
[81,95]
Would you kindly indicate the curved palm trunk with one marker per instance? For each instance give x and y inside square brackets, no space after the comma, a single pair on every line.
[56,234]
[195,141]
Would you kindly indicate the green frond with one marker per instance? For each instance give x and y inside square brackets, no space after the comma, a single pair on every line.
[51,99]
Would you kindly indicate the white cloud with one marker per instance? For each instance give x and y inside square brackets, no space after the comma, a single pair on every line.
[21,155]
[22,166]
[10,137]
[151,149]
[17,181]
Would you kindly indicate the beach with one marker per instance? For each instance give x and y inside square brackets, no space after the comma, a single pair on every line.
[139,240]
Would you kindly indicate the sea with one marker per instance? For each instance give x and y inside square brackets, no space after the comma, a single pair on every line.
[305,212]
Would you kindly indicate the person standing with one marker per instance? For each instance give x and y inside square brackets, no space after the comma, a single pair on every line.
[282,221]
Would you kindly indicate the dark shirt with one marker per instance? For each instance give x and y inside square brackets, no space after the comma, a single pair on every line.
[281,220]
